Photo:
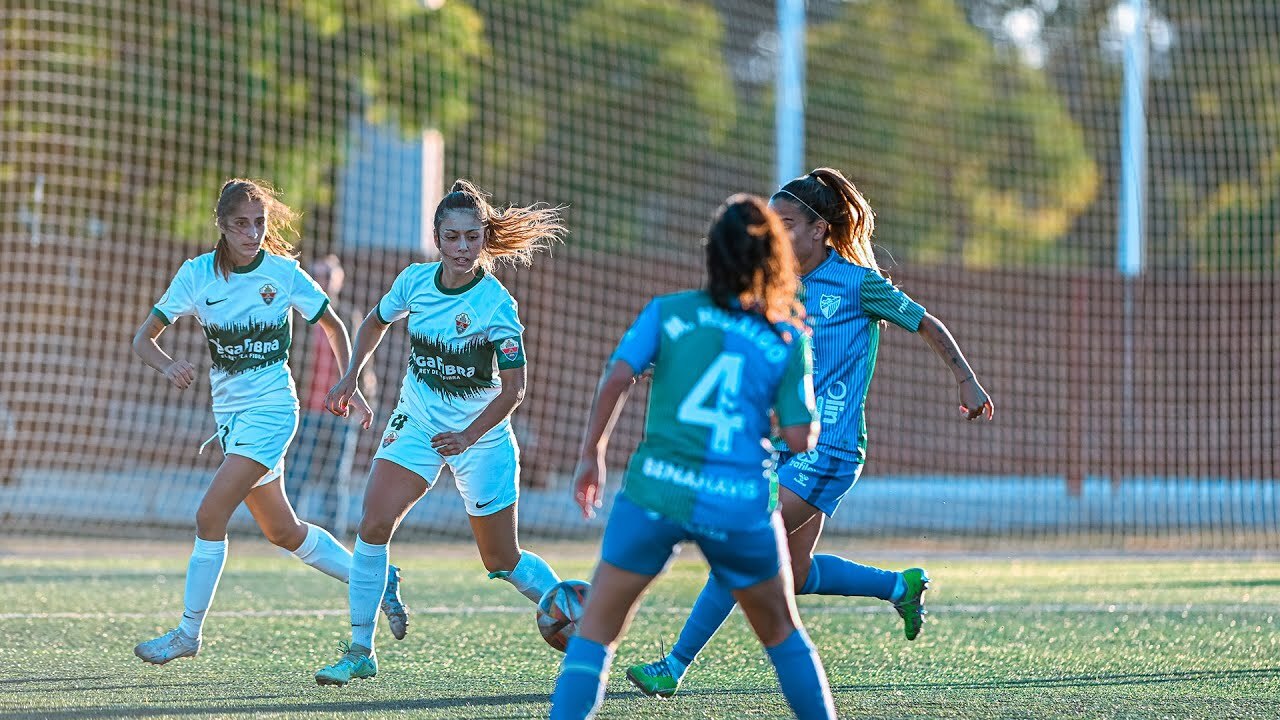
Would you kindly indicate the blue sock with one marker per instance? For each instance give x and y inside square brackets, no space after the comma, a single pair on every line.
[834,575]
[583,678]
[802,678]
[709,612]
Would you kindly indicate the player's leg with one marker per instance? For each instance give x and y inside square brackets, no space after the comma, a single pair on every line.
[738,561]
[812,486]
[311,544]
[231,483]
[637,546]
[488,479]
[391,493]
[769,607]
[714,605]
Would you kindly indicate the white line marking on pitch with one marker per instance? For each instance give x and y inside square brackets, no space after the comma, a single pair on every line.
[935,610]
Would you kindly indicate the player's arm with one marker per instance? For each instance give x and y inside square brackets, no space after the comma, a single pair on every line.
[340,342]
[635,354]
[974,400]
[178,372]
[882,301]
[501,407]
[368,337]
[611,394]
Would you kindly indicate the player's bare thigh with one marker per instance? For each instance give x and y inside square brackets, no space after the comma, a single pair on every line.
[231,485]
[803,524]
[390,494]
[497,539]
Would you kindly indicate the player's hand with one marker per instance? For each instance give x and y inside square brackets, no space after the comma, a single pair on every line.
[362,407]
[452,443]
[181,374]
[974,400]
[338,401]
[588,485]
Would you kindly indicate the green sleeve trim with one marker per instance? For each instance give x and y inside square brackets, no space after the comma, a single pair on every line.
[161,316]
[319,313]
[377,310]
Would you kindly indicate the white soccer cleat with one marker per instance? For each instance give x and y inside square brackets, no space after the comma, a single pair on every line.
[169,646]
[393,607]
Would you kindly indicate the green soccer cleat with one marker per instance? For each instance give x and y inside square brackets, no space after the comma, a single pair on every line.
[396,611]
[353,665]
[911,606]
[654,679]
[169,646]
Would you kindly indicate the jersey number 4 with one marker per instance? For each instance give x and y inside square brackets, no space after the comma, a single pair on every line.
[712,401]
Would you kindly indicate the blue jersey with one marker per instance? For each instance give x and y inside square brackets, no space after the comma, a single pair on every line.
[716,375]
[845,303]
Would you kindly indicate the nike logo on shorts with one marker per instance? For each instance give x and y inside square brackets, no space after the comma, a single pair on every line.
[207,301]
[481,505]
[238,443]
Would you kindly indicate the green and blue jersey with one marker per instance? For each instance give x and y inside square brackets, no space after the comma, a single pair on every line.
[716,375]
[845,303]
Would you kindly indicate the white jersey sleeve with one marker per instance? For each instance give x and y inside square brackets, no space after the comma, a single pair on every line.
[505,333]
[307,296]
[180,298]
[395,304]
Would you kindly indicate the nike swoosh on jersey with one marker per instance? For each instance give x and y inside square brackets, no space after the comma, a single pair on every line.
[207,301]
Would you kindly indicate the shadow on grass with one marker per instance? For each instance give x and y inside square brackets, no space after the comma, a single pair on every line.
[1100,680]
[196,709]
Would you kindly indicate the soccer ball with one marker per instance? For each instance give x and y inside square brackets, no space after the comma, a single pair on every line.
[559,611]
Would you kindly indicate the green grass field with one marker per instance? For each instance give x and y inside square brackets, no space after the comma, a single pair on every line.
[1090,637]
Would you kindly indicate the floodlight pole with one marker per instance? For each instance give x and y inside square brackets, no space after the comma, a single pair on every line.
[789,100]
[1130,248]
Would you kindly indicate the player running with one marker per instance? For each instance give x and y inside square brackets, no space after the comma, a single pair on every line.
[466,375]
[846,299]
[242,294]
[722,358]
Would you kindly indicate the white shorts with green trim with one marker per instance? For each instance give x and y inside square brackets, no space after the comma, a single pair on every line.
[487,474]
[260,434]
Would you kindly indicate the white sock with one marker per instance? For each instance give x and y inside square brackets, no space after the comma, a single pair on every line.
[323,552]
[203,573]
[899,589]
[364,592]
[532,576]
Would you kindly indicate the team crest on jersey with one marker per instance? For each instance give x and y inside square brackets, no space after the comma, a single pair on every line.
[390,438]
[268,293]
[462,322]
[510,348]
[829,305]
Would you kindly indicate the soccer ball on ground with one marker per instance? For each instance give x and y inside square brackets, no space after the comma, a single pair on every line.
[559,611]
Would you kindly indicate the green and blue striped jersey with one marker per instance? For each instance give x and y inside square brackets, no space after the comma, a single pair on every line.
[716,375]
[845,303]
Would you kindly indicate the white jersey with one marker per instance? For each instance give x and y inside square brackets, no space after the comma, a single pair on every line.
[460,338]
[247,322]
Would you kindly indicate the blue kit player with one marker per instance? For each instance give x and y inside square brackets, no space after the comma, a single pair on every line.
[847,300]
[723,358]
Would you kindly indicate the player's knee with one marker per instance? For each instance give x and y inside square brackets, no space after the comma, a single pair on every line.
[376,531]
[289,537]
[210,522]
[504,560]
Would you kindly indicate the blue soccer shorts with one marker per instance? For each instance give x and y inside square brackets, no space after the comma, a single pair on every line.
[645,542]
[820,479]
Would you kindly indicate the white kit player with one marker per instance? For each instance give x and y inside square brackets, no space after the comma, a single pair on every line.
[243,294]
[466,374]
